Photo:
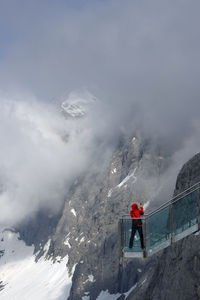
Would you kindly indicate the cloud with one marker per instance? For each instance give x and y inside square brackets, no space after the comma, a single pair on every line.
[42,152]
[141,59]
[133,55]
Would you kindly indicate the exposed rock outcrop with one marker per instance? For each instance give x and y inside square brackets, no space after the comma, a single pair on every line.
[189,174]
[88,228]
[175,272]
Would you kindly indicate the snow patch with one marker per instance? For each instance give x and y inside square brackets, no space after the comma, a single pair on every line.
[73,212]
[24,278]
[114,171]
[77,106]
[109,193]
[105,295]
[133,139]
[127,178]
[130,291]
[86,298]
[46,246]
[143,282]
[66,242]
[82,240]
[91,278]
[58,258]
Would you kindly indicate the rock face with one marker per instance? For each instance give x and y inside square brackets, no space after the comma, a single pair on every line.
[189,174]
[175,272]
[88,228]
[172,275]
[38,230]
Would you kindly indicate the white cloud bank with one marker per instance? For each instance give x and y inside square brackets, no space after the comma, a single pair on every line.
[41,153]
[142,59]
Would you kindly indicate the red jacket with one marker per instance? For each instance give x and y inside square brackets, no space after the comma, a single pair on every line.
[136,212]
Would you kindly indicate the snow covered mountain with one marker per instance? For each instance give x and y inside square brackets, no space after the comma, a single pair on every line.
[24,278]
[75,254]
[88,228]
[76,106]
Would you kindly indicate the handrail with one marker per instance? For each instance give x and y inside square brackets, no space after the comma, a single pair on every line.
[180,195]
[127,217]
[169,202]
[186,189]
[170,231]
[176,198]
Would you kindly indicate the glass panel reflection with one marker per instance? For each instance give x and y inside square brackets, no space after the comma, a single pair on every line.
[158,228]
[185,213]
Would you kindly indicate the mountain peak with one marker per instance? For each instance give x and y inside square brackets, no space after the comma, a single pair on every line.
[77,106]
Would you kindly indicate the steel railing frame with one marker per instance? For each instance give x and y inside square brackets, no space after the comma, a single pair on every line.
[170,203]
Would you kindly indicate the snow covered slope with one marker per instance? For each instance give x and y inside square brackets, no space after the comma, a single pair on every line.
[76,106]
[22,278]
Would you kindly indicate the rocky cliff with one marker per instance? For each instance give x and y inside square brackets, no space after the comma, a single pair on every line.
[88,228]
[175,272]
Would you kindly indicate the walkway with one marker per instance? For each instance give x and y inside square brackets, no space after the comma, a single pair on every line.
[171,222]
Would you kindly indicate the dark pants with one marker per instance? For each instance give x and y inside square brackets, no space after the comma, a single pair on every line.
[136,225]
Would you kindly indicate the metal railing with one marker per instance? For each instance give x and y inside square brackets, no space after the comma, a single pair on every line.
[172,221]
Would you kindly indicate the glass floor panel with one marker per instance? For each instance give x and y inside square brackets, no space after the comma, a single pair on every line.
[127,229]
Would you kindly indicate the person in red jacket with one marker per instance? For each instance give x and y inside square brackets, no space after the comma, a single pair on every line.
[136,224]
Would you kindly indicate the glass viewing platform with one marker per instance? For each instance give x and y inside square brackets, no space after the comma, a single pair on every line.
[171,222]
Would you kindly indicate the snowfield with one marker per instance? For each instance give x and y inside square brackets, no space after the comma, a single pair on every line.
[104,295]
[23,278]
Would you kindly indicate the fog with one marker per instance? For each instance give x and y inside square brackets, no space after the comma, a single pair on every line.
[43,152]
[139,59]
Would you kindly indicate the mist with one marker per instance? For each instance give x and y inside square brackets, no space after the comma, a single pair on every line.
[140,60]
[43,152]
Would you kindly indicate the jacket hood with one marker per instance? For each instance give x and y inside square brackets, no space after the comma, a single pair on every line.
[134,206]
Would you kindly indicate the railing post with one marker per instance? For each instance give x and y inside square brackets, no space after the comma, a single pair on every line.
[198,205]
[145,237]
[120,232]
[172,222]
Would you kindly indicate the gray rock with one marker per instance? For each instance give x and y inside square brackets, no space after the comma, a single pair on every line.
[175,272]
[88,228]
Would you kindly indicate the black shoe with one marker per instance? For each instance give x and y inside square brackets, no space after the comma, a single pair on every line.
[144,254]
